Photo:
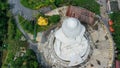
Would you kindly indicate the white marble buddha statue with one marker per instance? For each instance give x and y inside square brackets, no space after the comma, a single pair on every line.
[70,43]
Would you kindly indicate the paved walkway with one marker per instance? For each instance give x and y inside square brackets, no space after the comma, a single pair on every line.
[103,11]
[18,8]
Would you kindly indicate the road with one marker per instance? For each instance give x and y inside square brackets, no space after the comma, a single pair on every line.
[32,45]
[18,8]
[103,11]
[29,14]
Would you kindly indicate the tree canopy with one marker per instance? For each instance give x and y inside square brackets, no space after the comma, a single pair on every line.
[3,19]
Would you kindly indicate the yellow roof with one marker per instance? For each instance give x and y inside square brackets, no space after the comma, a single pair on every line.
[42,21]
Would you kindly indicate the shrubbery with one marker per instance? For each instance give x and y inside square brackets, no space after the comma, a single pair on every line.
[54,19]
[28,26]
[37,4]
[27,61]
[116,35]
[3,20]
[91,5]
[13,31]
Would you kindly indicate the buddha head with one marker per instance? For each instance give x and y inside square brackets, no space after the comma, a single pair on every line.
[72,27]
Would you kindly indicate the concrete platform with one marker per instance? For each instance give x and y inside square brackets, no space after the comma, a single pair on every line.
[101,42]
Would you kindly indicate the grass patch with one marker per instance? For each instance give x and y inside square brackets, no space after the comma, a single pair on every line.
[28,26]
[32,26]
[27,61]
[35,4]
[13,47]
[13,31]
[91,5]
[14,43]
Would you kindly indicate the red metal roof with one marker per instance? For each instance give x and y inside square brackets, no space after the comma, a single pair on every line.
[82,14]
[117,64]
[110,22]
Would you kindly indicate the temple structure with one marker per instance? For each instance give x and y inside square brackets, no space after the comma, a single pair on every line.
[77,43]
[71,43]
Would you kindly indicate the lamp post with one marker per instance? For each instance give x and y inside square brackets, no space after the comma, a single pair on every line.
[34,21]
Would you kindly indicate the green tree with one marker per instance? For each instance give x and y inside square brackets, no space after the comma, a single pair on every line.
[54,19]
[3,19]
[58,2]
[116,35]
[90,5]
[27,61]
[18,62]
